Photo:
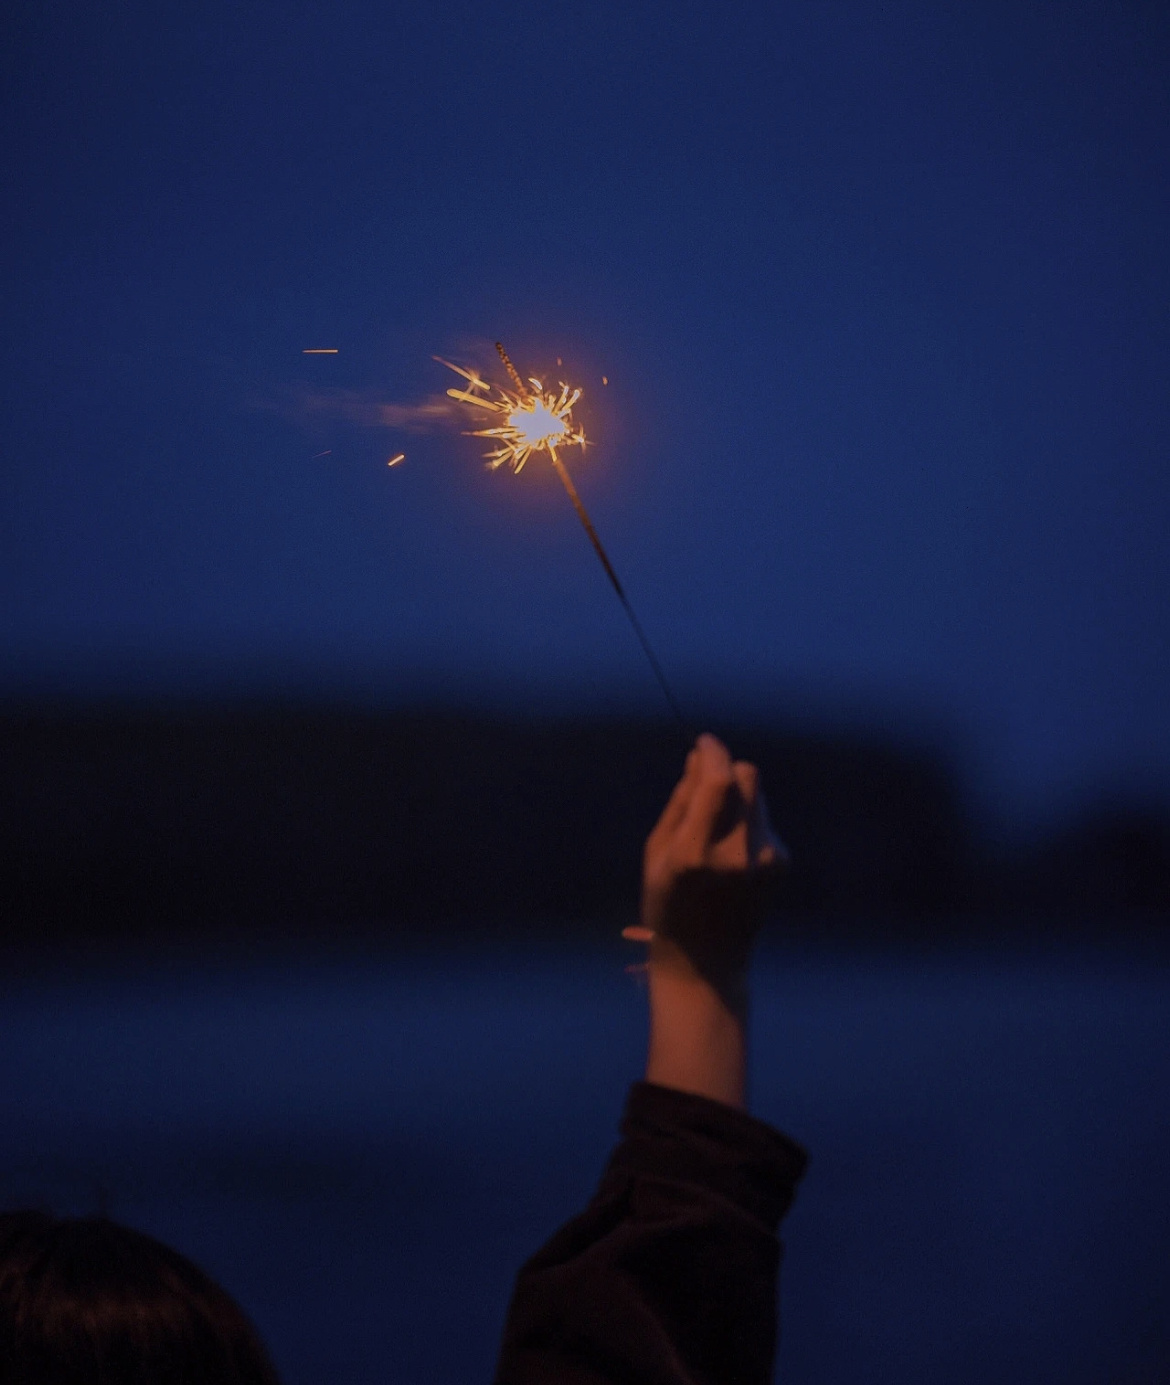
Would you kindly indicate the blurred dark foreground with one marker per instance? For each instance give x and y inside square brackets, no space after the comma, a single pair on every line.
[363,1149]
[336,1004]
[169,821]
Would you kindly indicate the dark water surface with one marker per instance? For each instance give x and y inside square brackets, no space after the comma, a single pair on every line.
[363,1151]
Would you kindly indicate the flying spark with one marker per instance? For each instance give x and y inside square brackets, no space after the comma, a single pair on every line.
[400,457]
[319,351]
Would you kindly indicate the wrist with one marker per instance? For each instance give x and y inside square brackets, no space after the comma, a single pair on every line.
[681,979]
[698,1032]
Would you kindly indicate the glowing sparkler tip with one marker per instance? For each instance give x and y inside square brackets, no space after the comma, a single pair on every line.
[535,419]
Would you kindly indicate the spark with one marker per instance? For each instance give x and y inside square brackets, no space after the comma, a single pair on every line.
[327,453]
[533,419]
[400,457]
[476,380]
[319,351]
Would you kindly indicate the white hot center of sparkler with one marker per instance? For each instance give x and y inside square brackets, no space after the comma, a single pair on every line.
[537,423]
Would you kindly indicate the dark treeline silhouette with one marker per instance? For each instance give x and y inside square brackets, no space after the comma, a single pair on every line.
[121,823]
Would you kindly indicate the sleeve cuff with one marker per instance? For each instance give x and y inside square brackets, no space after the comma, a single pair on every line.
[680,1137]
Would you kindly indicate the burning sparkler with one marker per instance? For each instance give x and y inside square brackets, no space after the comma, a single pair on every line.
[531,419]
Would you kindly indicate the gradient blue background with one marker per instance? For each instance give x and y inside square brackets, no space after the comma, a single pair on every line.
[881,293]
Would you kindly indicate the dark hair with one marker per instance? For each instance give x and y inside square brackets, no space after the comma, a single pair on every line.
[84,1301]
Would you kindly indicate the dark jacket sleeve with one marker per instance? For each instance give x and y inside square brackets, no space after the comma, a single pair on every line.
[669,1275]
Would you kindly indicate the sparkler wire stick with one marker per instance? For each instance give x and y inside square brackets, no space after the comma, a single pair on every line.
[536,420]
[513,373]
[587,525]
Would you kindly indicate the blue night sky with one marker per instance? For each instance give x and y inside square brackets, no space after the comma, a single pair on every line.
[881,292]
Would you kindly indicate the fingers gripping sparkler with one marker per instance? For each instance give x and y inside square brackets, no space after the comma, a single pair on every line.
[538,420]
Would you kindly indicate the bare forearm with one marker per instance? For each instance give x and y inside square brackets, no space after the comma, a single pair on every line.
[698,1033]
[705,870]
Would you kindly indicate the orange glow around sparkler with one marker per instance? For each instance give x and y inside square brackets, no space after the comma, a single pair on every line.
[539,420]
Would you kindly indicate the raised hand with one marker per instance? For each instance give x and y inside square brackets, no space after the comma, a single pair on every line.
[709,862]
[707,869]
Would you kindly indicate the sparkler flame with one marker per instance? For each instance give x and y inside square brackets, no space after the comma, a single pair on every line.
[540,420]
[534,419]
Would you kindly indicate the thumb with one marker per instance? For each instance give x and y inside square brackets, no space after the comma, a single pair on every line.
[766,847]
[714,776]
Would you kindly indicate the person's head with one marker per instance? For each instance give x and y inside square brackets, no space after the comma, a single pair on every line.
[84,1301]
